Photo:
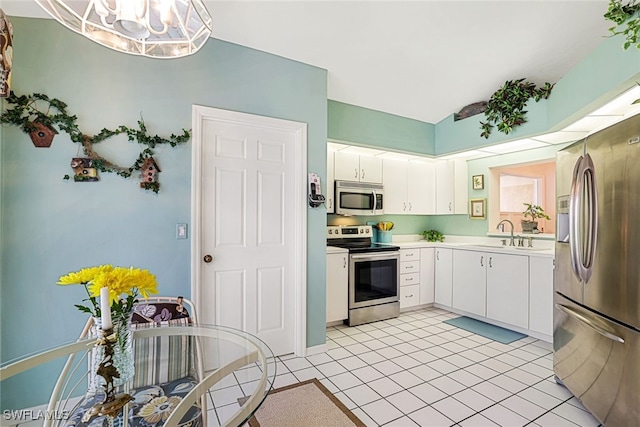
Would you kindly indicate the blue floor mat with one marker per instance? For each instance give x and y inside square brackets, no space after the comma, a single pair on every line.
[496,333]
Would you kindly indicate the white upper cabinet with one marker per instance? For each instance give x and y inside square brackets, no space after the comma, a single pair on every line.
[422,188]
[353,167]
[409,187]
[331,189]
[394,179]
[452,188]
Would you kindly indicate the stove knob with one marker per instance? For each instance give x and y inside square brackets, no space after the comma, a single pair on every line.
[330,231]
[367,231]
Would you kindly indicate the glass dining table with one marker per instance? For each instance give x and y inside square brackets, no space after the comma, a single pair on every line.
[180,372]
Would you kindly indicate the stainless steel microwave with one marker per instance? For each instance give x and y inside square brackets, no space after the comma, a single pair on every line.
[359,198]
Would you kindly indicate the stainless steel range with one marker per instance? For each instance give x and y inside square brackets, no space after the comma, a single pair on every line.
[374,274]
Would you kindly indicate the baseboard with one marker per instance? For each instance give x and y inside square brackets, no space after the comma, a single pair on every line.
[316,349]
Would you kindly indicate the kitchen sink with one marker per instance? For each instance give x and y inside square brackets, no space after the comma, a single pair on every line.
[498,246]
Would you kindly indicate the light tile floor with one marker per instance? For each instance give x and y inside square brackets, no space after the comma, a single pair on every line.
[416,370]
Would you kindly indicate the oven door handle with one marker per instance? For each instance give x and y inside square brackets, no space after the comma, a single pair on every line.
[380,255]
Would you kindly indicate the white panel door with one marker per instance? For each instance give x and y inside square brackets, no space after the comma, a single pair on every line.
[444,276]
[421,188]
[394,179]
[508,289]
[470,281]
[444,187]
[248,195]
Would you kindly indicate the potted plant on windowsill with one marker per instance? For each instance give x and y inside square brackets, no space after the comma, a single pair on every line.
[534,212]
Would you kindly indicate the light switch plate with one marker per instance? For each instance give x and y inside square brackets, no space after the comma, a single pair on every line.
[181,231]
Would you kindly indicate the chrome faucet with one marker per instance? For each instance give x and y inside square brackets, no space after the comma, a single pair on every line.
[511,243]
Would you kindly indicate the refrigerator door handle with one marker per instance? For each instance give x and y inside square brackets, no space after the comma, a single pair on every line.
[601,329]
[575,197]
[582,241]
[589,176]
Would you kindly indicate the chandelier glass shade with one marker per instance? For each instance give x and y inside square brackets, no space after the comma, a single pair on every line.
[153,28]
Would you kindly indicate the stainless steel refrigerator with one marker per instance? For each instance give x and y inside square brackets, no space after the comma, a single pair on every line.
[596,336]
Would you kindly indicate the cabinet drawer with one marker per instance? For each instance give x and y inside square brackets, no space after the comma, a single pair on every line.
[410,254]
[409,296]
[409,267]
[409,279]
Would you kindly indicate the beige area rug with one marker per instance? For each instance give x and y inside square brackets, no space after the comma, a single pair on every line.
[308,404]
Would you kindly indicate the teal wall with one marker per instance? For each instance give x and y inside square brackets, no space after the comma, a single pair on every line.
[51,226]
[377,129]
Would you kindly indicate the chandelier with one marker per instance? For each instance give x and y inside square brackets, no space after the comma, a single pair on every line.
[153,28]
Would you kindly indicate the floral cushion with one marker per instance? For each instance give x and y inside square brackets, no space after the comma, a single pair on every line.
[159,312]
[151,406]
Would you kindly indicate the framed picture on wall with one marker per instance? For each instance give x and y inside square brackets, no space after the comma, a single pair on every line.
[477,208]
[478,182]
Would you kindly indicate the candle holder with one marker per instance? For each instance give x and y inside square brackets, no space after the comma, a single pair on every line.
[113,403]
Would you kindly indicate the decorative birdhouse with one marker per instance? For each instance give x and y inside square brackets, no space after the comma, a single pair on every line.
[149,172]
[43,135]
[83,170]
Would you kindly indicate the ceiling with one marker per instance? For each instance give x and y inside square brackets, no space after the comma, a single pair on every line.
[419,59]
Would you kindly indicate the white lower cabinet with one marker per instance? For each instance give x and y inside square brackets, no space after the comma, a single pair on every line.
[470,281]
[508,289]
[443,276]
[337,287]
[427,275]
[541,295]
[492,285]
[409,277]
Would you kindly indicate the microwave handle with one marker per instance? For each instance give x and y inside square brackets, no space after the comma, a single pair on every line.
[374,201]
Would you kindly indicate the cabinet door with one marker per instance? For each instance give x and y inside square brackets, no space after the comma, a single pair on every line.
[409,296]
[370,169]
[508,289]
[444,276]
[394,179]
[461,184]
[444,187]
[470,281]
[330,196]
[421,188]
[337,287]
[347,167]
[427,275]
[541,295]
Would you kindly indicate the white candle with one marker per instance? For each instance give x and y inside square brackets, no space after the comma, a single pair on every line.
[105,308]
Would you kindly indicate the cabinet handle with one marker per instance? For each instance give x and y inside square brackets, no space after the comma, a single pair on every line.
[409,296]
[449,206]
[330,203]
[410,207]
[344,262]
[490,258]
[409,254]
[482,261]
[437,255]
[356,173]
[404,206]
[362,176]
[409,279]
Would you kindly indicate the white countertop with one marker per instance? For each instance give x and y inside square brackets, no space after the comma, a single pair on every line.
[336,250]
[541,248]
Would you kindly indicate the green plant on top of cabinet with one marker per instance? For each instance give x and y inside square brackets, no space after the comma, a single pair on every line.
[409,187]
[353,167]
[625,12]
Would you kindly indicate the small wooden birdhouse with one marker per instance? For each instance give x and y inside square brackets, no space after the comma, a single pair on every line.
[149,172]
[83,170]
[42,135]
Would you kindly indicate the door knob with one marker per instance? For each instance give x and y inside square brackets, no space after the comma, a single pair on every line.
[207,258]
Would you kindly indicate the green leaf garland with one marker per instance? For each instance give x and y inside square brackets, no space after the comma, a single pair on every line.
[37,107]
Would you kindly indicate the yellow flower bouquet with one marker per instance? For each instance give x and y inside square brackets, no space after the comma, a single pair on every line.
[125,284]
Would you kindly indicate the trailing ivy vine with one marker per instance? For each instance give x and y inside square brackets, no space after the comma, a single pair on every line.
[30,109]
[625,12]
[505,108]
